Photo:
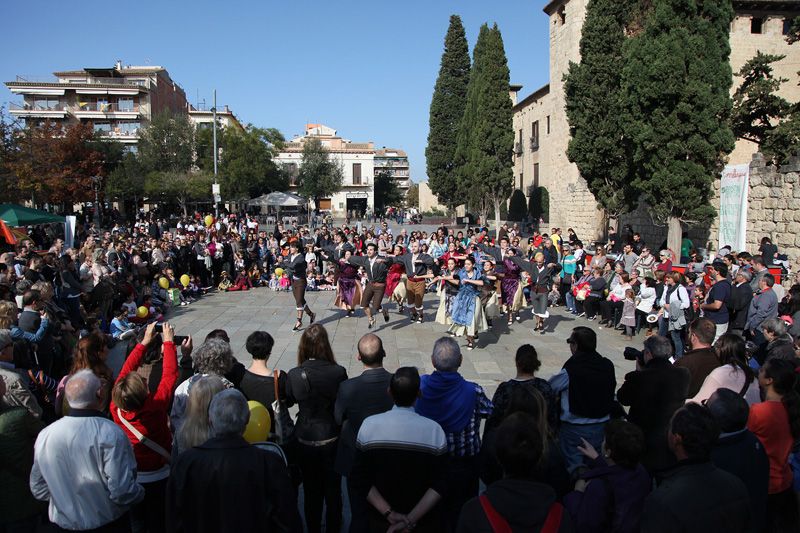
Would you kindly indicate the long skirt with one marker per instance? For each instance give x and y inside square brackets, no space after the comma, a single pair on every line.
[445,307]
[512,293]
[477,325]
[491,306]
[539,302]
[348,294]
[399,293]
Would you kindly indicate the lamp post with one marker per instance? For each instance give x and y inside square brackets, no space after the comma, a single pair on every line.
[97,182]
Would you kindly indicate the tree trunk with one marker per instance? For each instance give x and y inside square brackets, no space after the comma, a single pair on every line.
[674,236]
[497,219]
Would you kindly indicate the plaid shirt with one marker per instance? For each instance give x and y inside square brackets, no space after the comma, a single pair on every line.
[467,442]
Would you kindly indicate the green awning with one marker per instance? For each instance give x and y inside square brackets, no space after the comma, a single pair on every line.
[17,215]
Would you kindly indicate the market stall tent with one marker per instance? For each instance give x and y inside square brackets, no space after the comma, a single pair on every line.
[16,215]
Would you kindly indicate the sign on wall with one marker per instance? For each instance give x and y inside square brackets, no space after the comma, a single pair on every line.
[733,206]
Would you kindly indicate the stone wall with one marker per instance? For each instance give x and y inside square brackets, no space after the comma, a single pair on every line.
[773,211]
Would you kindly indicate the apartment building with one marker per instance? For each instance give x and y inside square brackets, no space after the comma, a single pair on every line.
[202,116]
[358,164]
[118,101]
[395,162]
[540,123]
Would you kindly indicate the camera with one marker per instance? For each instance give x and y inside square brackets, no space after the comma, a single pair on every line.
[632,354]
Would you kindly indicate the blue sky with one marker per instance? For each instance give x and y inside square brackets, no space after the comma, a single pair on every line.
[364,68]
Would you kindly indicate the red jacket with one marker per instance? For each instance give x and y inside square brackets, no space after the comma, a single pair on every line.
[152,420]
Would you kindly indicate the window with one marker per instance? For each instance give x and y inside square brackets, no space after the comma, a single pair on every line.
[548,124]
[535,136]
[535,175]
[520,181]
[356,173]
[129,128]
[755,24]
[125,104]
[787,25]
[45,103]
[518,146]
[102,127]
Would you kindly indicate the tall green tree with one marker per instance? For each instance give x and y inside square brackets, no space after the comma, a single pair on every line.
[756,104]
[487,130]
[447,108]
[676,82]
[9,151]
[320,176]
[126,181]
[466,141]
[412,196]
[167,144]
[387,193]
[595,107]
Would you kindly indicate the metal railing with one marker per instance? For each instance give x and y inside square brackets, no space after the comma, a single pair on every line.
[110,107]
[33,107]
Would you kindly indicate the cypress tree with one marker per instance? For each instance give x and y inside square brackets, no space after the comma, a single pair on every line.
[676,82]
[594,106]
[447,108]
[486,136]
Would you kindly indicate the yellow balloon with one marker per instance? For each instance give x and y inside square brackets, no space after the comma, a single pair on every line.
[142,311]
[163,283]
[209,220]
[185,280]
[258,427]
[279,272]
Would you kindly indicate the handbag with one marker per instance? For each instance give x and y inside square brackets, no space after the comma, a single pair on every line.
[282,425]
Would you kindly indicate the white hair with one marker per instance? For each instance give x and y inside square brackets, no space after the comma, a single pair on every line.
[81,389]
[446,355]
[228,413]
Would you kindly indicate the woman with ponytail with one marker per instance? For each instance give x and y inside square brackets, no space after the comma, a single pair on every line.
[776,423]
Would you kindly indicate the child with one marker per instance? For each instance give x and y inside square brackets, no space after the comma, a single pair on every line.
[629,313]
[285,282]
[129,305]
[242,283]
[224,282]
[274,284]
[311,281]
[554,295]
[121,329]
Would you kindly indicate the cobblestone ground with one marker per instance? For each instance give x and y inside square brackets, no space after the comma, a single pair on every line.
[406,343]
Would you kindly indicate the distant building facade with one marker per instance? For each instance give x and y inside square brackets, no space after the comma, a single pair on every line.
[118,101]
[202,116]
[540,122]
[360,162]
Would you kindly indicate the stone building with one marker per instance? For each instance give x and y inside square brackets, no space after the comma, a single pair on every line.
[542,130]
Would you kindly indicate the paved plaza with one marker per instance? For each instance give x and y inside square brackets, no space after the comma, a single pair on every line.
[406,343]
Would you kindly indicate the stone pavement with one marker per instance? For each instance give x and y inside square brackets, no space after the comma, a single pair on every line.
[406,344]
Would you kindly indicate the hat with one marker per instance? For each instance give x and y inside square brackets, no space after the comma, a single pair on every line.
[5,338]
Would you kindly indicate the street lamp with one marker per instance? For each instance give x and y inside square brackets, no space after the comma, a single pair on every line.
[97,182]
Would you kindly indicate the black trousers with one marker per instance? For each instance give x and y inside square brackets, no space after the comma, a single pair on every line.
[462,485]
[148,515]
[591,305]
[611,310]
[321,485]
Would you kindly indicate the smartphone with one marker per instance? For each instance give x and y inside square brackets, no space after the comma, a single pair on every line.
[179,339]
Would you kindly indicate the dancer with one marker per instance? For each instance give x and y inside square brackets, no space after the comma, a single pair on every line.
[377,270]
[348,284]
[467,311]
[509,274]
[541,283]
[418,268]
[396,281]
[489,299]
[296,267]
[448,289]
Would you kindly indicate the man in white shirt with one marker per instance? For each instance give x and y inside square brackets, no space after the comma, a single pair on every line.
[84,464]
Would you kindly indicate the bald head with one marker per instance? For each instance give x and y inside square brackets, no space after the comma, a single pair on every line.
[84,390]
[370,350]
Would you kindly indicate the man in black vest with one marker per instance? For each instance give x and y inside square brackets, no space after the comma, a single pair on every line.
[586,386]
[376,270]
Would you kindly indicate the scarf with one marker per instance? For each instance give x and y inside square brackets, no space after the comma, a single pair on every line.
[447,398]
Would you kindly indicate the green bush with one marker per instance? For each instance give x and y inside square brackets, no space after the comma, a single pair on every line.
[517,208]
[539,204]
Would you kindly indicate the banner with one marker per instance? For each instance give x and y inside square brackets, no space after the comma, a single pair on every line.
[733,206]
[69,231]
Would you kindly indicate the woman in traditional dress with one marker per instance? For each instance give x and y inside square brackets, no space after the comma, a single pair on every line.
[448,289]
[467,311]
[511,288]
[489,298]
[348,286]
[395,281]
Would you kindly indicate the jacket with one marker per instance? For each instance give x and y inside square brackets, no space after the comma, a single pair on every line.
[376,274]
[17,392]
[84,465]
[697,497]
[743,455]
[152,419]
[763,306]
[227,485]
[18,429]
[700,363]
[358,398]
[739,303]
[523,503]
[612,500]
[654,394]
[313,386]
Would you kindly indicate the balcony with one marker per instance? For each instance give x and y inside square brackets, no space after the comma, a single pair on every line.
[534,144]
[105,110]
[38,111]
[518,148]
[123,135]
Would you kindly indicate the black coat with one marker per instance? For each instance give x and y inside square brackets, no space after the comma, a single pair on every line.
[227,485]
[358,398]
[697,497]
[743,455]
[739,303]
[653,395]
[376,274]
[314,386]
